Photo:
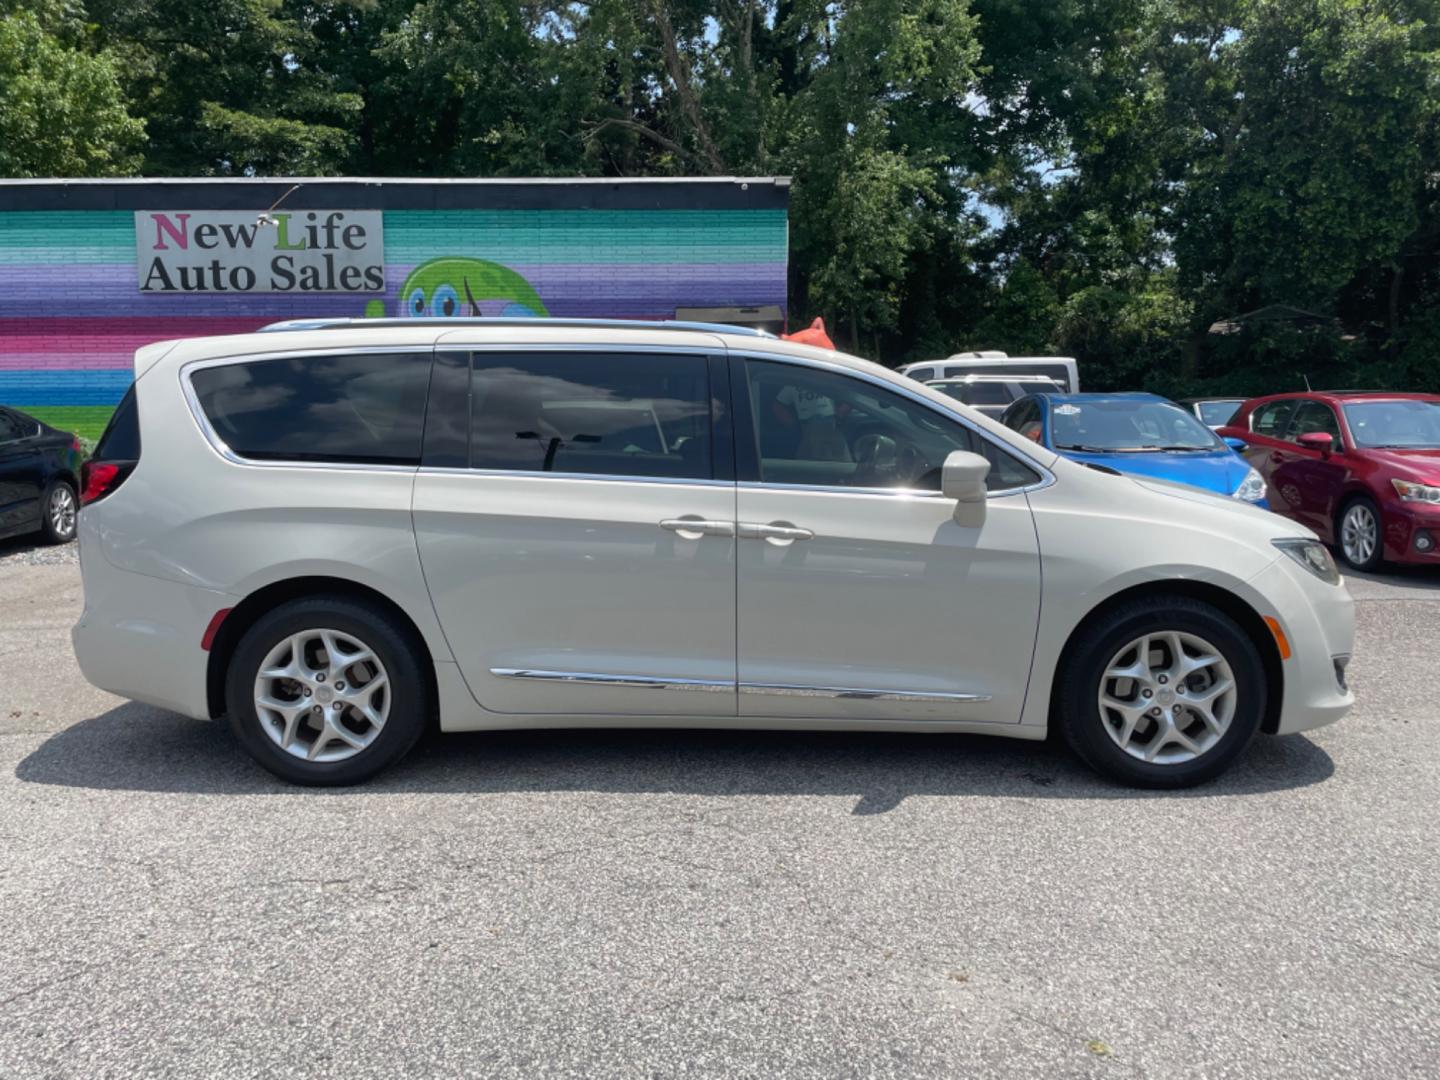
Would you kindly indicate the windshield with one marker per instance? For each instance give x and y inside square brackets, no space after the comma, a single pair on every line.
[1405,425]
[1218,413]
[1127,426]
[994,393]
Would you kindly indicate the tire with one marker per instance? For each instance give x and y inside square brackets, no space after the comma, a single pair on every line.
[309,627]
[1095,734]
[1351,528]
[58,509]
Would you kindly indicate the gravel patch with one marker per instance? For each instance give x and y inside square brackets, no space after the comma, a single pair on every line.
[30,551]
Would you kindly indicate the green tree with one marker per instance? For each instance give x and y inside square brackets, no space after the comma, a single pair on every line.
[62,111]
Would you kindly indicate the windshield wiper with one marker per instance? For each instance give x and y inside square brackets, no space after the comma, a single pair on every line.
[1189,449]
[1083,448]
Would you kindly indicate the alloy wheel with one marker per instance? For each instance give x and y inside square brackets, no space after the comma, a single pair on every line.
[1359,534]
[1167,698]
[322,695]
[62,511]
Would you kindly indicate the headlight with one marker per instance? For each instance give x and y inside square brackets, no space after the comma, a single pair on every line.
[1252,488]
[1412,492]
[1312,555]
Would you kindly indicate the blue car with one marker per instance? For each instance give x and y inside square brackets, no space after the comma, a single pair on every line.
[1140,434]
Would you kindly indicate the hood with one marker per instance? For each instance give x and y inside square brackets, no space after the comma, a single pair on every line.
[1219,471]
[1423,465]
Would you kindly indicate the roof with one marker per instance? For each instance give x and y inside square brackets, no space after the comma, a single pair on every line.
[1336,397]
[1118,398]
[398,193]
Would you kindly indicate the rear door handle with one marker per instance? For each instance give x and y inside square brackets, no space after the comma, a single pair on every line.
[750,530]
[692,528]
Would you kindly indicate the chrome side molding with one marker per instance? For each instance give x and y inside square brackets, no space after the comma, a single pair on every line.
[854,693]
[594,678]
[650,682]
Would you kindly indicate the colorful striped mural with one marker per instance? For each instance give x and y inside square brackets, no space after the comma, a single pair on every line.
[72,313]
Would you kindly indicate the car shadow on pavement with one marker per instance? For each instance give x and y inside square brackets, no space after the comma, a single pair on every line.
[136,748]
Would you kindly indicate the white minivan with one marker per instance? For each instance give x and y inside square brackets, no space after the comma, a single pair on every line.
[340,532]
[1062,370]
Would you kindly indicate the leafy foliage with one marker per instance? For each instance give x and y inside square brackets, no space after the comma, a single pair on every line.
[1115,179]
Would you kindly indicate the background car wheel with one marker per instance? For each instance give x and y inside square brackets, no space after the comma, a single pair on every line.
[58,508]
[1161,693]
[327,691]
[1362,544]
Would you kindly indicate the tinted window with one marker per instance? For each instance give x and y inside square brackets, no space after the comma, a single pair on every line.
[604,414]
[922,373]
[1217,413]
[121,441]
[819,428]
[980,393]
[1024,417]
[1060,373]
[9,427]
[1121,424]
[1405,424]
[1270,420]
[361,409]
[1312,416]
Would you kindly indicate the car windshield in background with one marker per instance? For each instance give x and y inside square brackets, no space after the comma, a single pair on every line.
[1218,413]
[1121,426]
[1403,425]
[977,393]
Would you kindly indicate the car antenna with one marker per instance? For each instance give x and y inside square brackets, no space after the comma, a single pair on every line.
[1307,382]
[265,218]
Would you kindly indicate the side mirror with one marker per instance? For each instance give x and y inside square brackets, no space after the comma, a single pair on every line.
[1238,445]
[962,478]
[1317,440]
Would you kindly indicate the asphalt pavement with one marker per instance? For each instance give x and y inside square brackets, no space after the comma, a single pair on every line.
[656,904]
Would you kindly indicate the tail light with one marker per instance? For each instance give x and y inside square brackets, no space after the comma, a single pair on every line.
[100,478]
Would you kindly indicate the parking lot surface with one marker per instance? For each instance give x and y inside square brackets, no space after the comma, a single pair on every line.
[656,904]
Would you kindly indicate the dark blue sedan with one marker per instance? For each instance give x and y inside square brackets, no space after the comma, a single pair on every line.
[1140,434]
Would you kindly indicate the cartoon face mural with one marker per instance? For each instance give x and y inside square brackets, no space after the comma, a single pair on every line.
[453,286]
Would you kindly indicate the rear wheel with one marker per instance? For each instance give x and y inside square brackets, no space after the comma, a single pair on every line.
[327,691]
[1361,542]
[1161,693]
[58,510]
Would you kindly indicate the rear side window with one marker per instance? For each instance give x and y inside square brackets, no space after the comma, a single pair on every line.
[9,427]
[601,414]
[364,409]
[921,373]
[121,441]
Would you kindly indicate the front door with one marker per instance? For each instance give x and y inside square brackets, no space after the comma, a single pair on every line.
[21,474]
[581,552]
[861,592]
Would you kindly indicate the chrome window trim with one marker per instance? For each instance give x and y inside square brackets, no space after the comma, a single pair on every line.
[221,447]
[1046,476]
[535,474]
[853,693]
[594,678]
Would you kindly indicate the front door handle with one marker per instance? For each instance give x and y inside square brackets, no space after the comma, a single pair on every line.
[780,534]
[692,528]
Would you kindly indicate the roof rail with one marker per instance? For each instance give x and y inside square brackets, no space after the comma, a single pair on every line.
[353,322]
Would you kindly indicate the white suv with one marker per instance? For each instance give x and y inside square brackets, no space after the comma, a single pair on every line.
[338,533]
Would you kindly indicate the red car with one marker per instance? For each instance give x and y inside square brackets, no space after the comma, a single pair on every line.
[1361,468]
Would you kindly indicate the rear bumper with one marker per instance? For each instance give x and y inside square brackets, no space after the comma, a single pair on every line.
[139,637]
[1319,625]
[1403,522]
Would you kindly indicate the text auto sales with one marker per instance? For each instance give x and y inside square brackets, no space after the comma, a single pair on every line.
[240,251]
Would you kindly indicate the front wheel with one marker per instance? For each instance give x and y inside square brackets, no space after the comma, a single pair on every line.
[1161,693]
[1360,537]
[327,691]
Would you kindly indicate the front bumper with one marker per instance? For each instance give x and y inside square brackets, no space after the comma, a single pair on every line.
[1404,522]
[1319,623]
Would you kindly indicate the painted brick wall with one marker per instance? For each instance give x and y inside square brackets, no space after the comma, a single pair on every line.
[72,315]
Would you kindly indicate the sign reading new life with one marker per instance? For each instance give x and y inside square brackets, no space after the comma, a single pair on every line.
[194,251]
